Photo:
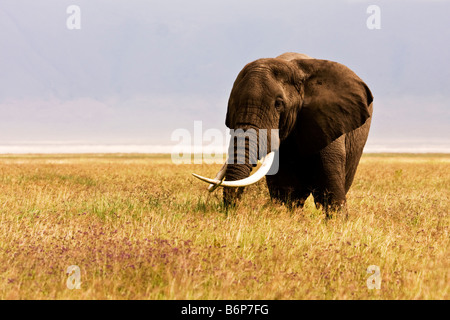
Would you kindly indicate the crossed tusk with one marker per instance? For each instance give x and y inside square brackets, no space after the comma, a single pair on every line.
[258,175]
[219,177]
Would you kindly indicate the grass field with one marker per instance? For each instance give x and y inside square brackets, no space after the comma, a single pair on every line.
[140,227]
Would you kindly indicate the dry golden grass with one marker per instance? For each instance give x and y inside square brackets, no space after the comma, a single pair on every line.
[140,227]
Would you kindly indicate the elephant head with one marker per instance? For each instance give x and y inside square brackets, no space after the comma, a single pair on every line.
[312,101]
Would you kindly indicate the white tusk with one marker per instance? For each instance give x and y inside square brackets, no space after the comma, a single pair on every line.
[220,175]
[258,175]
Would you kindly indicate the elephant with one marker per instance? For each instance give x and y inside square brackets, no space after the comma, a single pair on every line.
[321,111]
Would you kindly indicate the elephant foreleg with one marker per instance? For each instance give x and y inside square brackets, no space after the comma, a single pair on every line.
[290,184]
[292,196]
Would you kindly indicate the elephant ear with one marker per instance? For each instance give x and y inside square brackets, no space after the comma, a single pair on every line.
[336,101]
[229,119]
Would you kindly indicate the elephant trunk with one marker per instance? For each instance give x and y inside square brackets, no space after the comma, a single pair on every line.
[243,156]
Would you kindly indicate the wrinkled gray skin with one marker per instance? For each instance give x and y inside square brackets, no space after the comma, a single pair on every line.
[323,112]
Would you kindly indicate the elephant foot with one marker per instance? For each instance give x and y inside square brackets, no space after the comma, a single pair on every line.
[331,207]
[290,203]
[336,209]
[290,197]
[330,203]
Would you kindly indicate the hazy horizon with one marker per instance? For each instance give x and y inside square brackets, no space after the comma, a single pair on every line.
[67,147]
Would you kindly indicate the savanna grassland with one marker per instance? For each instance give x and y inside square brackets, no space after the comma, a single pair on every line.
[140,227]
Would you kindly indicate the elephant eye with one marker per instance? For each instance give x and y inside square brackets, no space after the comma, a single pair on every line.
[279,103]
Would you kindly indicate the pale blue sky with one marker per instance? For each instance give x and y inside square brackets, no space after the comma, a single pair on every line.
[138,70]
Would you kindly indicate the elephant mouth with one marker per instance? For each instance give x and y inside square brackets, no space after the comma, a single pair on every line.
[267,162]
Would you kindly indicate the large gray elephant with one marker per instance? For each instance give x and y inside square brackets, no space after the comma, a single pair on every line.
[322,111]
